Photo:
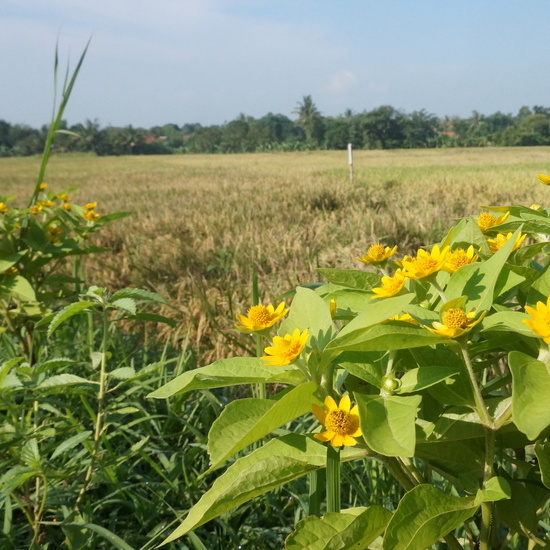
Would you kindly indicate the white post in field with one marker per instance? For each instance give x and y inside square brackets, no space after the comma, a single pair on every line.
[350,162]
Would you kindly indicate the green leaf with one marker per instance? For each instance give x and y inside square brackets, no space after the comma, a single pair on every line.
[508,321]
[351,278]
[228,372]
[425,515]
[122,373]
[477,281]
[424,377]
[8,260]
[71,443]
[110,537]
[17,287]
[68,312]
[276,463]
[393,335]
[310,311]
[496,488]
[6,367]
[542,450]
[245,421]
[388,423]
[137,294]
[63,380]
[30,454]
[530,390]
[125,304]
[351,528]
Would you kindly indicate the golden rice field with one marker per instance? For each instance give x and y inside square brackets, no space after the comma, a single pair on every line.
[203,223]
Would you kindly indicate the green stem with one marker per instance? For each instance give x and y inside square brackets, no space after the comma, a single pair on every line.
[259,390]
[480,402]
[316,481]
[100,409]
[487,507]
[333,479]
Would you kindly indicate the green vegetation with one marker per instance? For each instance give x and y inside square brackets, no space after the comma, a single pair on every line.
[382,128]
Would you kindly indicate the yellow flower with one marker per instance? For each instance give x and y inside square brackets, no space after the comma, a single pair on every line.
[91,215]
[66,206]
[287,349]
[540,324]
[36,209]
[3,208]
[405,318]
[10,271]
[261,317]
[459,257]
[455,322]
[544,179]
[486,221]
[377,253]
[90,206]
[47,204]
[333,307]
[501,239]
[425,264]
[43,186]
[64,197]
[341,422]
[390,285]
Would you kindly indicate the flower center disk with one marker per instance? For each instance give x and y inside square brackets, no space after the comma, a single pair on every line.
[341,422]
[455,318]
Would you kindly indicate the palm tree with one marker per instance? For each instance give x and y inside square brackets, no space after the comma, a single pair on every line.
[309,119]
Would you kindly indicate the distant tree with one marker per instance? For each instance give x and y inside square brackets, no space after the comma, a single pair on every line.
[278,127]
[337,133]
[206,139]
[383,128]
[310,120]
[420,129]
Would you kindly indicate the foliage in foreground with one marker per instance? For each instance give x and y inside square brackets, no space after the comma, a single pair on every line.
[445,354]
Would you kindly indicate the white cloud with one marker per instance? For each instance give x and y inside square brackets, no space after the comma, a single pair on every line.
[341,82]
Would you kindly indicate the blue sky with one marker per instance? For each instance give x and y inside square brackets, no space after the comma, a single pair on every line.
[152,62]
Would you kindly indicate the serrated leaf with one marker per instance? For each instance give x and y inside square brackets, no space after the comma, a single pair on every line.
[63,380]
[67,313]
[30,454]
[351,528]
[245,421]
[6,367]
[227,372]
[122,373]
[423,516]
[137,294]
[276,463]
[125,304]
[71,443]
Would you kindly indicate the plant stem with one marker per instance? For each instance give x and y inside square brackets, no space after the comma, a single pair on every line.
[333,479]
[316,480]
[259,389]
[100,409]
[480,403]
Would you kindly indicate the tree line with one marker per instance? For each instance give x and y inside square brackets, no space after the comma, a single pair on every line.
[382,128]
